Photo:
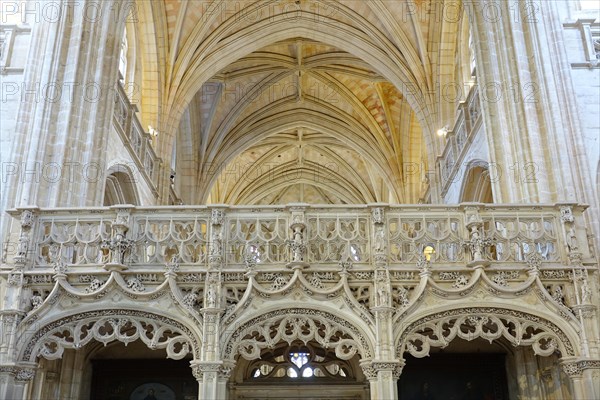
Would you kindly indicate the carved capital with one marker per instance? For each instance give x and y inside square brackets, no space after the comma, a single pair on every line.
[218,368]
[24,374]
[574,368]
[21,374]
[372,368]
[369,371]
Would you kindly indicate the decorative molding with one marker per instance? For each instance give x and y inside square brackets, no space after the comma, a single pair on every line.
[50,341]
[297,324]
[442,327]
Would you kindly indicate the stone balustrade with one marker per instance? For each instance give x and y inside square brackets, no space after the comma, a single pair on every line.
[467,122]
[404,237]
[135,139]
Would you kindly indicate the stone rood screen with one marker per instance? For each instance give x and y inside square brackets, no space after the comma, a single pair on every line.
[402,237]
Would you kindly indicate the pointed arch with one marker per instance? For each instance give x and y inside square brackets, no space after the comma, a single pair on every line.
[476,184]
[438,329]
[75,330]
[289,324]
[120,186]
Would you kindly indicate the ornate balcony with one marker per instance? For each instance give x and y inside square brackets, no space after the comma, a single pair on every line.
[458,139]
[137,141]
[448,243]
[417,275]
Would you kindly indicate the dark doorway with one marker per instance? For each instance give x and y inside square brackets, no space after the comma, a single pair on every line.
[454,377]
[147,379]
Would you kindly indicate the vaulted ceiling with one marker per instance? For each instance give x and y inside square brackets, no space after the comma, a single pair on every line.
[277,101]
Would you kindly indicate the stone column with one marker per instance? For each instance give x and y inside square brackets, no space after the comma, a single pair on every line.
[14,381]
[383,378]
[66,106]
[212,379]
[383,372]
[210,371]
[529,107]
[584,375]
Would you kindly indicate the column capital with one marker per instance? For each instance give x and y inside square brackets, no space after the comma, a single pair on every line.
[574,367]
[21,373]
[371,369]
[221,369]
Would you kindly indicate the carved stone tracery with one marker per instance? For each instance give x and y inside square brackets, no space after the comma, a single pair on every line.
[105,326]
[290,325]
[519,328]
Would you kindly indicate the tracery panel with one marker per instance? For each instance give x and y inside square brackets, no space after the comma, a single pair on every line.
[160,238]
[262,236]
[344,236]
[439,236]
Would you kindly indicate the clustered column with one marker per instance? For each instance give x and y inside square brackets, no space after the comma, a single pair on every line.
[210,371]
[384,370]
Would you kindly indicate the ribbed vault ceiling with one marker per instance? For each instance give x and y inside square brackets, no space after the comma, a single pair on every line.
[275,101]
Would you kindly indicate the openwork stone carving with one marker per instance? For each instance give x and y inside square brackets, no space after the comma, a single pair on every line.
[289,325]
[119,247]
[402,297]
[423,264]
[501,278]
[191,299]
[378,215]
[460,282]
[15,278]
[172,266]
[477,242]
[518,328]
[74,331]
[95,284]
[36,301]
[344,266]
[298,328]
[77,334]
[299,360]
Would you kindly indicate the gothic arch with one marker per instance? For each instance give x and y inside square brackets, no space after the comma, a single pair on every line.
[120,186]
[290,324]
[75,330]
[520,328]
[476,184]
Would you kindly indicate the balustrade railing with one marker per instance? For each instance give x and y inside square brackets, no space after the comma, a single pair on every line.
[137,141]
[458,139]
[271,237]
